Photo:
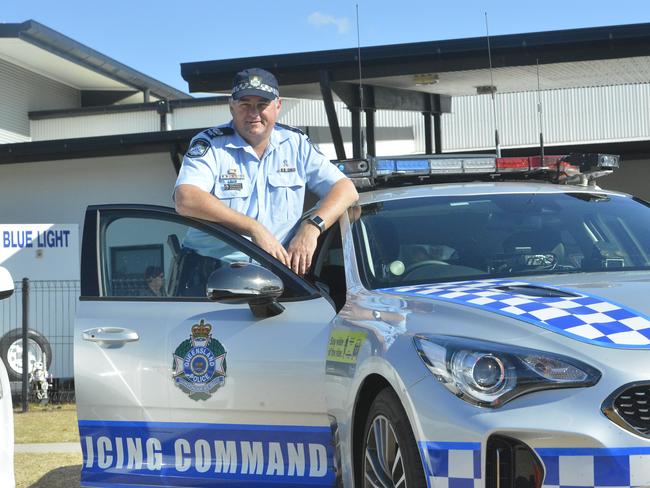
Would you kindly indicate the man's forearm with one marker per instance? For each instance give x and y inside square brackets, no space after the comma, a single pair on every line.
[342,195]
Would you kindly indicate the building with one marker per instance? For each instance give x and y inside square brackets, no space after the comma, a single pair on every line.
[85,126]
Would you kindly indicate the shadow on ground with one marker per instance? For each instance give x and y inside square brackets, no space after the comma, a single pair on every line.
[66,477]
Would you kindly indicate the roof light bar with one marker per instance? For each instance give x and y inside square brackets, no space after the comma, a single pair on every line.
[557,168]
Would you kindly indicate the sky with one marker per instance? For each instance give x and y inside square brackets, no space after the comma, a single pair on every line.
[156,37]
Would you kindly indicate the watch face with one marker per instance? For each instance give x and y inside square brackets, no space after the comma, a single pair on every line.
[318,222]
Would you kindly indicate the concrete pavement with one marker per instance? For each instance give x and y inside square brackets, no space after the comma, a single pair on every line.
[51,447]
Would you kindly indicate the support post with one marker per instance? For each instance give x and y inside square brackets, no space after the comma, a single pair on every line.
[370,132]
[332,119]
[356,132]
[25,377]
[428,134]
[437,132]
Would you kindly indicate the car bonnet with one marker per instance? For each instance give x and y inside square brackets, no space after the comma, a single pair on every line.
[605,309]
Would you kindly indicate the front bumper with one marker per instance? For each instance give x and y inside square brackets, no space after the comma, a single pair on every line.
[570,442]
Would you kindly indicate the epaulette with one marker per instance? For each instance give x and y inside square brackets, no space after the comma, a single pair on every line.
[295,129]
[219,131]
[288,127]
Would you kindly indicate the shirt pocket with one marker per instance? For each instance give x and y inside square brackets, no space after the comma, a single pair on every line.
[286,192]
[233,192]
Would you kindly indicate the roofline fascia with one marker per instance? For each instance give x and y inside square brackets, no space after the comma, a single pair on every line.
[60,45]
[454,54]
[171,105]
[98,146]
[166,141]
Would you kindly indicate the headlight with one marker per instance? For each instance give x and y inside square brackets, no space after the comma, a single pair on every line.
[490,374]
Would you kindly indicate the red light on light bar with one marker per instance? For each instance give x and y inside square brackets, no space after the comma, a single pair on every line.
[528,163]
[513,164]
[550,162]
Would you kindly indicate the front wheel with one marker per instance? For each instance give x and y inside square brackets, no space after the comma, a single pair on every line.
[391,457]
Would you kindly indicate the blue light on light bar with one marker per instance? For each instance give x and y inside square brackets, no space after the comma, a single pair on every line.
[404,167]
[414,166]
[385,167]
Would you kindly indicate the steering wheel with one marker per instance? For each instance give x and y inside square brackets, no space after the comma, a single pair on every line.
[422,264]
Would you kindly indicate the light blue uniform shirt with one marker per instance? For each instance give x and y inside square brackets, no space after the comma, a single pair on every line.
[270,189]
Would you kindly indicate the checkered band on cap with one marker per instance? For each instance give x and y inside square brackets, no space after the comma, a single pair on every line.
[257,86]
[587,318]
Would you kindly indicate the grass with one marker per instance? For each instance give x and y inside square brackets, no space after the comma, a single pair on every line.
[47,470]
[50,423]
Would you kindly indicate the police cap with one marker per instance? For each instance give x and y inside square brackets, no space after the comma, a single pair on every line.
[255,82]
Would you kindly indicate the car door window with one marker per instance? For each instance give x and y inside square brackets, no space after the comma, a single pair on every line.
[147,257]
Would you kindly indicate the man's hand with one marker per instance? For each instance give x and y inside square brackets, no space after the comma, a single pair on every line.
[267,241]
[302,247]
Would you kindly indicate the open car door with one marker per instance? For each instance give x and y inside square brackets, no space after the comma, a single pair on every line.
[176,390]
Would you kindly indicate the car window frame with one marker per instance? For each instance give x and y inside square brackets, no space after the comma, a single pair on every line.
[99,217]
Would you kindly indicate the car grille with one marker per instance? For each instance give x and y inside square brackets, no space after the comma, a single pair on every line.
[631,405]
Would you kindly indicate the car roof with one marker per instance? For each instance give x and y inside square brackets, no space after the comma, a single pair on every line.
[475,188]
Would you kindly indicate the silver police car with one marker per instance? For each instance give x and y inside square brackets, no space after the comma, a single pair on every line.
[473,321]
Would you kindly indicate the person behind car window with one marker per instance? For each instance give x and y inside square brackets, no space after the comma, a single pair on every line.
[251,173]
[155,280]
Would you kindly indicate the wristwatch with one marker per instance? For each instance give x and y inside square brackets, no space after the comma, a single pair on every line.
[317,221]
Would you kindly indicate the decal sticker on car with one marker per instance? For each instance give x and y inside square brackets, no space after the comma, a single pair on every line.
[199,363]
[344,346]
[620,467]
[451,464]
[587,318]
[343,349]
[203,455]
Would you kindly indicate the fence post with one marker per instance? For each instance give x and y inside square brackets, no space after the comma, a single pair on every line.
[25,343]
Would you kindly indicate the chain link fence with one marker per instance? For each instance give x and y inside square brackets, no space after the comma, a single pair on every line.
[50,307]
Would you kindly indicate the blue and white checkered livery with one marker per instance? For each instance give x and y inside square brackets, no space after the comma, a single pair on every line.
[452,464]
[596,468]
[583,317]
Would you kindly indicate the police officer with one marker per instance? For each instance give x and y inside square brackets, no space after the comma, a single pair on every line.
[250,175]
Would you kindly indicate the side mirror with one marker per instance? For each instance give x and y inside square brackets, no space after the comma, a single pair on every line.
[247,283]
[6,284]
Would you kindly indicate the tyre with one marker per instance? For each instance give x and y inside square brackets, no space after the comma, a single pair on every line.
[11,351]
[390,454]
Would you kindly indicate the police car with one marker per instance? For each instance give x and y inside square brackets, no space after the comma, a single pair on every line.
[6,408]
[472,321]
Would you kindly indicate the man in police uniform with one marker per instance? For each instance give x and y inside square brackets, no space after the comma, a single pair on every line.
[250,175]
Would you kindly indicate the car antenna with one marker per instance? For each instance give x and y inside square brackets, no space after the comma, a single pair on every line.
[541,121]
[493,89]
[362,142]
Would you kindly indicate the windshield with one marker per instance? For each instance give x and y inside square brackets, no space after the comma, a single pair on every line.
[422,240]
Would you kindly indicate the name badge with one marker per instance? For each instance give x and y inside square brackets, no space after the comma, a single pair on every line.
[233,186]
[232,174]
[287,169]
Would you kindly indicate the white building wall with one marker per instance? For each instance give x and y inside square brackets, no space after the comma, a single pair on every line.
[571,116]
[59,191]
[22,91]
[95,125]
[198,117]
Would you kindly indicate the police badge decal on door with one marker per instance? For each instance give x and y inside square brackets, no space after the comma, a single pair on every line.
[199,367]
